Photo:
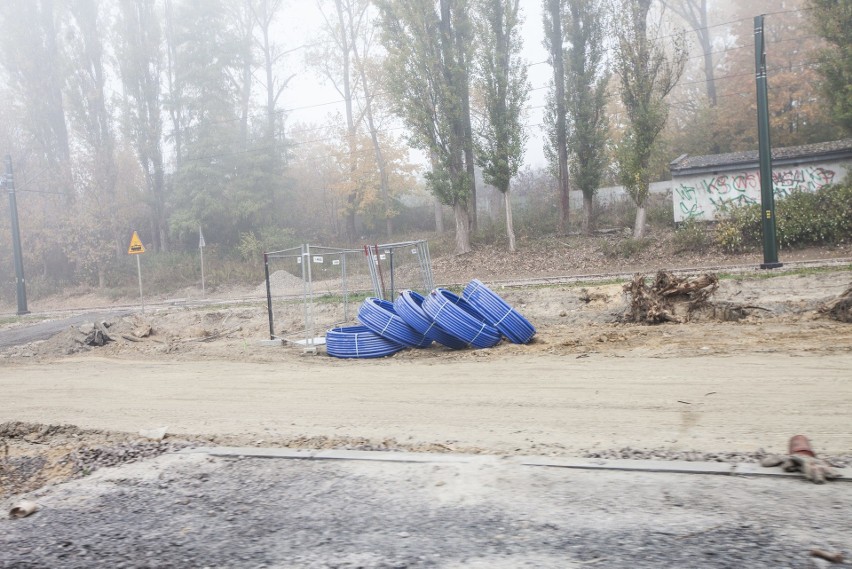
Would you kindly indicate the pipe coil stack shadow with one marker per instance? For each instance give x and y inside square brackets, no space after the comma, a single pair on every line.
[478,319]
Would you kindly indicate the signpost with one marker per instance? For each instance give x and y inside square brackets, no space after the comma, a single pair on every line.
[20,283]
[136,248]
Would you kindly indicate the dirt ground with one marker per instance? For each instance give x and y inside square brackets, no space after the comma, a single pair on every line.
[587,383]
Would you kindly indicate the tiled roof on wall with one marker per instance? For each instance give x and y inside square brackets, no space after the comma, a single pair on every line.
[837,149]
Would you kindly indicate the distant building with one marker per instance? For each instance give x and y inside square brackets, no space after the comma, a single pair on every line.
[702,185]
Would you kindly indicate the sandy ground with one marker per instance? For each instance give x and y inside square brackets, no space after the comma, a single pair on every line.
[586,382]
[541,404]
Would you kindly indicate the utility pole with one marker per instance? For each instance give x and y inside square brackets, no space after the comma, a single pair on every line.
[16,240]
[767,196]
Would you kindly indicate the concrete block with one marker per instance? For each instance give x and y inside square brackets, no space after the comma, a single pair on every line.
[252,452]
[676,466]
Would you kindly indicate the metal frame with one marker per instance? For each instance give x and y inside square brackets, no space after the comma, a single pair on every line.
[373,254]
[303,255]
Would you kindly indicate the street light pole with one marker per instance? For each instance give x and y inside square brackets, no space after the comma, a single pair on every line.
[767,197]
[16,240]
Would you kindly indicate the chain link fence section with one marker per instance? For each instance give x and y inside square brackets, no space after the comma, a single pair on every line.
[394,267]
[309,289]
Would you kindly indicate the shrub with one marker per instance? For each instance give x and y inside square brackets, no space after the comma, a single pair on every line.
[252,246]
[658,210]
[691,236]
[618,213]
[802,218]
[625,248]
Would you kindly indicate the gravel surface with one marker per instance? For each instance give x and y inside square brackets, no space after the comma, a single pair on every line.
[840,461]
[196,511]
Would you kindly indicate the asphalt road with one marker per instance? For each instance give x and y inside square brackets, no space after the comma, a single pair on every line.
[46,329]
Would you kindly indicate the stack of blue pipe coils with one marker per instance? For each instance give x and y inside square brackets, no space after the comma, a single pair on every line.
[409,305]
[460,319]
[379,316]
[477,319]
[358,342]
[497,312]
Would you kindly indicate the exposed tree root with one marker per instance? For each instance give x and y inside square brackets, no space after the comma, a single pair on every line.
[669,298]
[840,308]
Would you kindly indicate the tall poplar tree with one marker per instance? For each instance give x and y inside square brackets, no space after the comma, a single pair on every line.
[140,62]
[833,21]
[553,14]
[424,74]
[89,113]
[501,79]
[586,78]
[30,55]
[648,74]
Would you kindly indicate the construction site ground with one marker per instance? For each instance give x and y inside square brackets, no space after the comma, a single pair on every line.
[726,385]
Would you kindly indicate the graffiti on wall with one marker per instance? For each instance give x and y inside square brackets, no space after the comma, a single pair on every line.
[702,198]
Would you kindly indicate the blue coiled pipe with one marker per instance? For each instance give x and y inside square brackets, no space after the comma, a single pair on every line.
[379,316]
[460,319]
[497,312]
[409,306]
[358,342]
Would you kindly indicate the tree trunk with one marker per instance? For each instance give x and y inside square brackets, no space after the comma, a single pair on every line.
[245,98]
[555,10]
[588,211]
[52,70]
[264,20]
[462,228]
[708,67]
[439,216]
[639,225]
[694,13]
[462,24]
[510,228]
[162,216]
[175,99]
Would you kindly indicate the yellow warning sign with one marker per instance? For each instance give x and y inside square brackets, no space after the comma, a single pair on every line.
[136,246]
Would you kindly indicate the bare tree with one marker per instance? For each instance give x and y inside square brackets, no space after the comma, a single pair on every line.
[355,24]
[336,66]
[265,13]
[694,13]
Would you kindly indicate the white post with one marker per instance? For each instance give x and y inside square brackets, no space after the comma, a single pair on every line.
[139,271]
[201,245]
[202,271]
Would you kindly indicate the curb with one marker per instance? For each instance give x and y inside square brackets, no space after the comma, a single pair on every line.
[624,465]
